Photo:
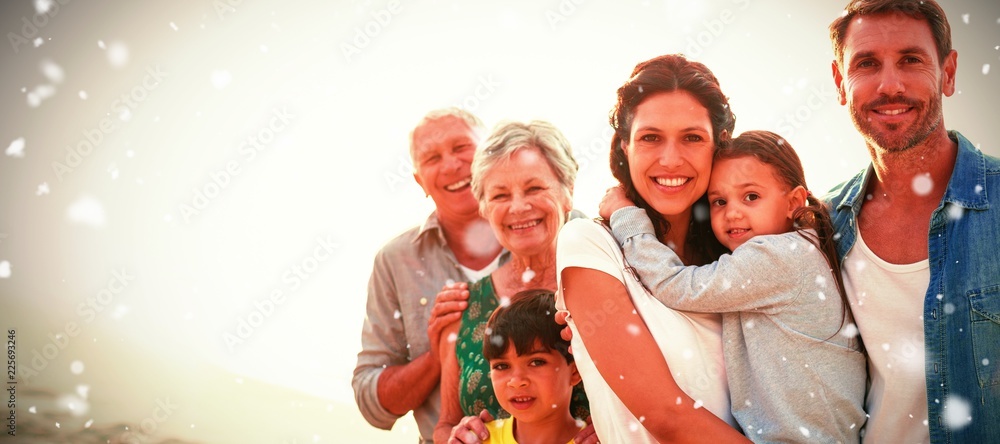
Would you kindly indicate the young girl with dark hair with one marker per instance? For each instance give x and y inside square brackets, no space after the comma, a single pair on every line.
[793,357]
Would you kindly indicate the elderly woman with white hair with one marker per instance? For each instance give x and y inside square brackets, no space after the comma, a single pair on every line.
[523,179]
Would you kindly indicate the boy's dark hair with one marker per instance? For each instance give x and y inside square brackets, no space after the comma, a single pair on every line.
[529,316]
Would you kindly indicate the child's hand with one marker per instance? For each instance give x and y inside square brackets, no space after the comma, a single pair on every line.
[614,199]
[566,333]
[471,429]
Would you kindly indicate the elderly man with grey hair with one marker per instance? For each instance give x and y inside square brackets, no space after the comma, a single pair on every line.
[398,368]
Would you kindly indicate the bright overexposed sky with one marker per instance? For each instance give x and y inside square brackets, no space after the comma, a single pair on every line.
[170,167]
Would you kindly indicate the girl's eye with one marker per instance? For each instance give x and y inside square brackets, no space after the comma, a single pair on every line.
[537,362]
[719,203]
[752,197]
[500,366]
[693,138]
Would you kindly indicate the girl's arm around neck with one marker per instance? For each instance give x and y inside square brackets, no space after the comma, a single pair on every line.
[764,273]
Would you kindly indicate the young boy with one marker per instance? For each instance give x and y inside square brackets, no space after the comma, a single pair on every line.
[532,371]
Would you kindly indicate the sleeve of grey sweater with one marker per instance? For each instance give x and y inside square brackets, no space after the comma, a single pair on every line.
[762,274]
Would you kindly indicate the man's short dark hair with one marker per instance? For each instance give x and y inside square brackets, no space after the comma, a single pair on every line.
[927,10]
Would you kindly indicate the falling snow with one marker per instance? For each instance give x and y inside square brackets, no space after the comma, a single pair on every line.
[922,184]
[632,329]
[804,431]
[52,71]
[16,148]
[76,367]
[43,188]
[850,331]
[173,26]
[40,93]
[957,412]
[87,211]
[4,270]
[528,275]
[43,6]
[965,18]
[117,54]
[986,68]
[955,212]
[221,78]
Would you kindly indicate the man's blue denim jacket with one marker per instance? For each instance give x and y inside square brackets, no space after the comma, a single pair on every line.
[962,304]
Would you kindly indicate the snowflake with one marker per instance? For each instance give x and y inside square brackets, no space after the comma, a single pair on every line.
[16,148]
[221,78]
[527,276]
[88,211]
[850,331]
[922,184]
[117,53]
[957,412]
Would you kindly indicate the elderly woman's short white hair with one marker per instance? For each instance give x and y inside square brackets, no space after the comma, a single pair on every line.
[508,137]
[470,119]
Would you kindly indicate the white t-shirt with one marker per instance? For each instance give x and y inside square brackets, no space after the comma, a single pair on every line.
[691,343]
[888,305]
[476,275]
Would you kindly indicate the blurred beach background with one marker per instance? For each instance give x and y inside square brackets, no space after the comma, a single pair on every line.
[193,191]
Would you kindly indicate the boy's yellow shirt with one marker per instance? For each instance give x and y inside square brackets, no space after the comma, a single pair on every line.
[502,432]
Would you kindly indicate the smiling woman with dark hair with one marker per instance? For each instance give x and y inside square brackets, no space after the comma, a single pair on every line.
[669,118]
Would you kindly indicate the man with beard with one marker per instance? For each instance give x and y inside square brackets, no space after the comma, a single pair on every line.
[917,231]
[398,368]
